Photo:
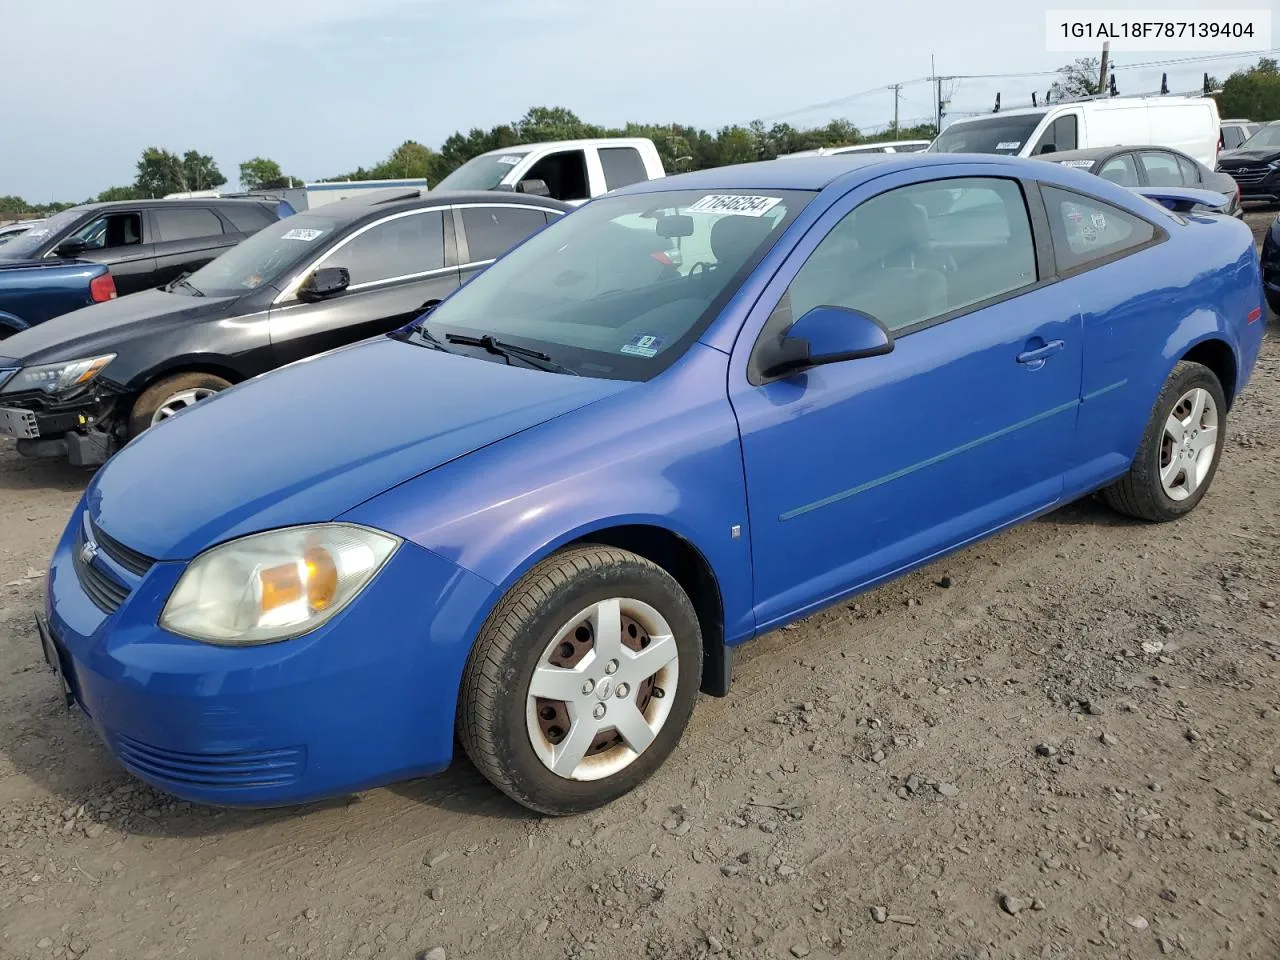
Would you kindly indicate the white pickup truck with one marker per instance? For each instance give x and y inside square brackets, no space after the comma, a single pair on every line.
[570,170]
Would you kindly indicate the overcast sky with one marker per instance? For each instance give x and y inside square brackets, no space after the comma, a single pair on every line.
[323,86]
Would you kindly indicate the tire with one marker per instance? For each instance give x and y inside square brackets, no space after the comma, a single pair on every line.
[165,392]
[510,736]
[1142,492]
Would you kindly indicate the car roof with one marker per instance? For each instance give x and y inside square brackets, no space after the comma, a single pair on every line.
[375,203]
[569,144]
[817,173]
[205,202]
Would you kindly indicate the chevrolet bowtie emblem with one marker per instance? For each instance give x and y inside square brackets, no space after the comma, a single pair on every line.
[88,551]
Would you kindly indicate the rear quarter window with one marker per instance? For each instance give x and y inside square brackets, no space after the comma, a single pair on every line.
[1087,231]
[248,218]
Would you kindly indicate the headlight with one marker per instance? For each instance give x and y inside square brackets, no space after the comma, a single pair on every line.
[57,377]
[274,586]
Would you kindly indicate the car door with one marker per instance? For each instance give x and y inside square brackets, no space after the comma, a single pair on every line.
[397,265]
[485,231]
[856,470]
[186,239]
[123,240]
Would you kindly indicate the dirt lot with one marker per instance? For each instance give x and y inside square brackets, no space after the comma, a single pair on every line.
[1068,747]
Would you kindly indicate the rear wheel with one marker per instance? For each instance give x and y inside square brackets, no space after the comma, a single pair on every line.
[1180,450]
[582,680]
[166,397]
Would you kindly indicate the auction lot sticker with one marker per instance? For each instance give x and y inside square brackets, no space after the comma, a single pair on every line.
[743,206]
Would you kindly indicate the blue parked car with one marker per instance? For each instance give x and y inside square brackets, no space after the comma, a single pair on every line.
[543,516]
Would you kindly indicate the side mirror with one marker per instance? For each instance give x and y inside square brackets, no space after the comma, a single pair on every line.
[827,335]
[324,283]
[71,248]
[536,188]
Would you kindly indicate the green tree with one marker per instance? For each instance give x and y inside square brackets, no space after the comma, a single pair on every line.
[1252,93]
[1079,79]
[118,193]
[410,159]
[159,172]
[263,174]
[199,171]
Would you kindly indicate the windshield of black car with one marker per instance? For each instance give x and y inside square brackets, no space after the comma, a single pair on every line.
[998,134]
[264,257]
[623,286]
[27,245]
[1265,139]
[481,173]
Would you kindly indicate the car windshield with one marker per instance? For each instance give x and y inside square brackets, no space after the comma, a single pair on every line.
[1265,139]
[28,244]
[998,134]
[622,287]
[482,173]
[263,258]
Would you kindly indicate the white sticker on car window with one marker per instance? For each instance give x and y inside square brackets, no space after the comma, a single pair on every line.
[735,203]
[1008,144]
[509,161]
[1076,163]
[1099,221]
[305,234]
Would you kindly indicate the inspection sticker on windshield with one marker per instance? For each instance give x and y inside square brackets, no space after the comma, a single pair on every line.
[643,345]
[305,234]
[1008,144]
[509,161]
[741,205]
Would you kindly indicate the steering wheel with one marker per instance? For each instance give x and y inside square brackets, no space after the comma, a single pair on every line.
[700,267]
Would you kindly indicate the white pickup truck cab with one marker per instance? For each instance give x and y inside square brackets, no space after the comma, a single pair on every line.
[570,170]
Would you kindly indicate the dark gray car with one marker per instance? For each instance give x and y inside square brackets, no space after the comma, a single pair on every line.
[1152,167]
[81,384]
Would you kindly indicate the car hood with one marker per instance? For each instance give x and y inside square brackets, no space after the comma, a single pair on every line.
[1231,158]
[99,328]
[312,440]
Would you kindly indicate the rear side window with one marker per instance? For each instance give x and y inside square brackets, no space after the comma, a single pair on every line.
[186,223]
[1087,230]
[1162,169]
[622,166]
[398,248]
[898,255]
[1190,172]
[492,231]
[1121,170]
[248,217]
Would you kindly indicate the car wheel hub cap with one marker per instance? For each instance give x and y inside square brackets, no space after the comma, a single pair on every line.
[180,401]
[602,689]
[1189,444]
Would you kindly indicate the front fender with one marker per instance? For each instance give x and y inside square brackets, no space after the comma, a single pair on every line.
[12,322]
[665,454]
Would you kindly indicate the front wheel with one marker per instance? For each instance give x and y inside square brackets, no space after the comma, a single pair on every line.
[166,397]
[582,680]
[1179,453]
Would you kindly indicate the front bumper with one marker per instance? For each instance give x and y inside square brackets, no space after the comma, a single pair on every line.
[367,699]
[1257,182]
[74,430]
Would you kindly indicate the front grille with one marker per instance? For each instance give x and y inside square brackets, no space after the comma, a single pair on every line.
[133,561]
[234,770]
[1249,175]
[105,591]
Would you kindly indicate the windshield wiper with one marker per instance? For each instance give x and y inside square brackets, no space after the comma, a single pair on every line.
[181,281]
[506,350]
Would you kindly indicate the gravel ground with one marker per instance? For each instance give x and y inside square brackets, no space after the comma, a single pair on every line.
[1064,742]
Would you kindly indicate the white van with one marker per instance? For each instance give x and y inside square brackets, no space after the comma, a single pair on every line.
[570,170]
[1189,124]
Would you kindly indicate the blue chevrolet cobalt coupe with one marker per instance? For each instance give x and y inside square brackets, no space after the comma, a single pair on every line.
[541,517]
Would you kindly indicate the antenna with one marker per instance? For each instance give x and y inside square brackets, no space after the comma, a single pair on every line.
[1164,84]
[996,109]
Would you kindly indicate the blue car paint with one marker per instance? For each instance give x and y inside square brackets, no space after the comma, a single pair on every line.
[484,469]
[33,291]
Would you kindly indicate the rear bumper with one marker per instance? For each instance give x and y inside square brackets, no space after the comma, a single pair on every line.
[367,699]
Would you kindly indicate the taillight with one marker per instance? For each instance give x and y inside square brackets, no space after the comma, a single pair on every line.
[102,288]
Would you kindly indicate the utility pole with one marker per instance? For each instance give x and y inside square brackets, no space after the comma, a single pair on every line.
[897,93]
[1106,62]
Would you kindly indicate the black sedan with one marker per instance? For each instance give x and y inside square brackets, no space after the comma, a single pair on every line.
[82,384]
[1152,167]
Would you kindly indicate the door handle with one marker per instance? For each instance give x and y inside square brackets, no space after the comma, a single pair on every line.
[1039,355]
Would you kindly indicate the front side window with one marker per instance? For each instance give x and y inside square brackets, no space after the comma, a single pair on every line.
[1061,135]
[564,173]
[897,256]
[1121,170]
[1086,230]
[111,231]
[622,166]
[403,246]
[623,287]
[186,223]
[492,231]
[1162,169]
